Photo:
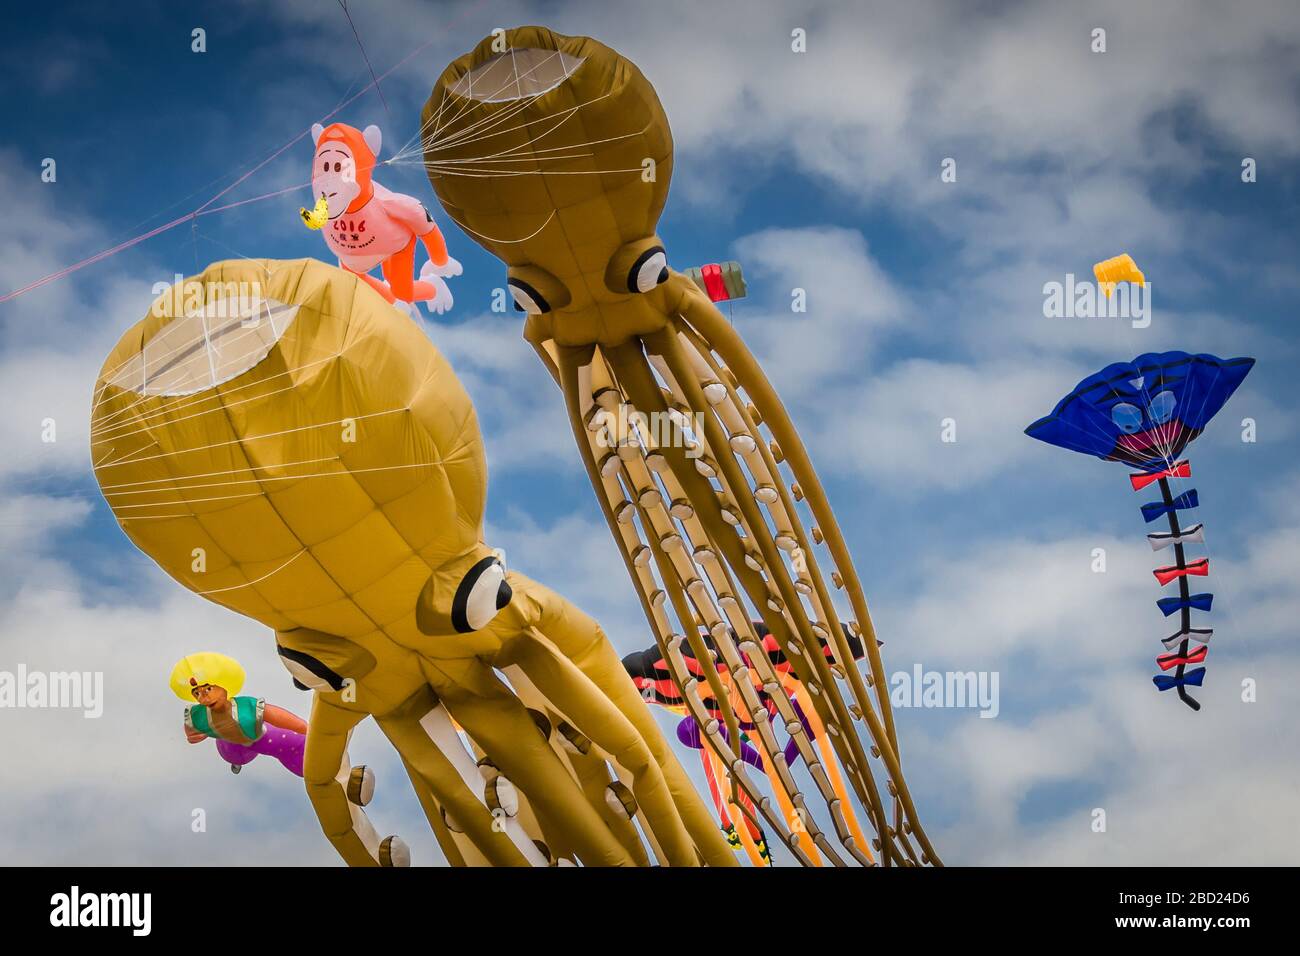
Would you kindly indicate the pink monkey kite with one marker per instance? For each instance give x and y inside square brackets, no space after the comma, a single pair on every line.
[371,226]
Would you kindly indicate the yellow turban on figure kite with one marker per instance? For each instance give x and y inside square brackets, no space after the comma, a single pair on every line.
[206,667]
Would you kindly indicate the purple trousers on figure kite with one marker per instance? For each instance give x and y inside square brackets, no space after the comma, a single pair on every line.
[286,746]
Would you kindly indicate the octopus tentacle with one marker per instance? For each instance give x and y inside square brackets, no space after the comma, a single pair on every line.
[564,365]
[565,372]
[592,773]
[721,338]
[563,630]
[684,614]
[775,497]
[605,726]
[550,843]
[828,758]
[754,526]
[495,718]
[677,561]
[770,589]
[325,774]
[454,853]
[421,732]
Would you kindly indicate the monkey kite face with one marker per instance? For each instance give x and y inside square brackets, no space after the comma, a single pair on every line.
[345,157]
[555,154]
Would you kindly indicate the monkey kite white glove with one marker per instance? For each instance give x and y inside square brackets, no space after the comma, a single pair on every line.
[433,275]
[443,300]
[448,269]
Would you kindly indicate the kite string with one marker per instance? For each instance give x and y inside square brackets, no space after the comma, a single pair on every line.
[235,587]
[91,260]
[435,126]
[203,209]
[360,46]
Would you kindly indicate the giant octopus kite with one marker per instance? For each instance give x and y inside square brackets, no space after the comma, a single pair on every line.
[283,442]
[554,153]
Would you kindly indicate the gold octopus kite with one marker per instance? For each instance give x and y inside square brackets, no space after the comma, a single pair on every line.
[554,153]
[284,443]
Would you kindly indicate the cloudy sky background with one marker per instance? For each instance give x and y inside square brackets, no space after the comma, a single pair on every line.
[817,171]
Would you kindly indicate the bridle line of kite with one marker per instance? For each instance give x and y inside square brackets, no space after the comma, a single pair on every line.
[173,479]
[435,121]
[129,460]
[180,489]
[113,379]
[563,116]
[161,419]
[204,209]
[235,587]
[469,101]
[475,128]
[503,241]
[200,398]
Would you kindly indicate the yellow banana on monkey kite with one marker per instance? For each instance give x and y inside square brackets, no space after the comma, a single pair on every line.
[317,216]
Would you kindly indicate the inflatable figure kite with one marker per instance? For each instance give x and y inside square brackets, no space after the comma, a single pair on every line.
[366,225]
[653,677]
[282,442]
[243,727]
[554,153]
[1143,414]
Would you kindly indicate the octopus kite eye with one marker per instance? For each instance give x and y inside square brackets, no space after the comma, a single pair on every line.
[649,270]
[480,595]
[527,299]
[308,672]
[1127,417]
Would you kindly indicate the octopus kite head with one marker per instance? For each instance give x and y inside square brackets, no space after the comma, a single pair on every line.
[554,153]
[341,169]
[285,443]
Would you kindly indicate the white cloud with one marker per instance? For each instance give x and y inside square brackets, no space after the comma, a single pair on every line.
[53,340]
[520,408]
[850,301]
[1064,157]
[890,428]
[121,788]
[1080,726]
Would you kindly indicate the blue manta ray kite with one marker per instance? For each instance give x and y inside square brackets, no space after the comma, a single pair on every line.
[1144,413]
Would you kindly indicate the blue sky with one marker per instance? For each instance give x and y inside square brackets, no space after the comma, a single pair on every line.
[818,171]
